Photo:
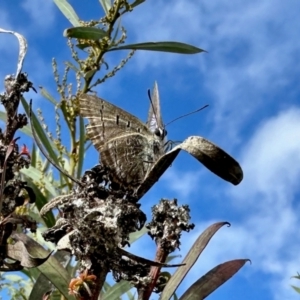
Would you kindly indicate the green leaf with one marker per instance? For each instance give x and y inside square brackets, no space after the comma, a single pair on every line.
[137,2]
[106,4]
[83,46]
[36,175]
[40,132]
[45,93]
[26,129]
[41,200]
[172,47]
[296,289]
[68,11]
[213,279]
[71,66]
[117,290]
[81,146]
[52,269]
[136,235]
[42,284]
[85,33]
[190,260]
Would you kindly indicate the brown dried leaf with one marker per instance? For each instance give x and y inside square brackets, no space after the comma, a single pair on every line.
[190,259]
[19,252]
[205,285]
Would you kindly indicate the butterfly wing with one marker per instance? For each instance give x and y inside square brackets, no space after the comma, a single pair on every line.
[131,157]
[107,121]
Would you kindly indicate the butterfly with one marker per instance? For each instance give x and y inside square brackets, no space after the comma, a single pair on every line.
[126,145]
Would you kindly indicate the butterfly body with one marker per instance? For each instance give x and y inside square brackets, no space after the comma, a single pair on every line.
[127,146]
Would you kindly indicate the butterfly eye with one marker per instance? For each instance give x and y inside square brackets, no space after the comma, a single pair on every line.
[160,132]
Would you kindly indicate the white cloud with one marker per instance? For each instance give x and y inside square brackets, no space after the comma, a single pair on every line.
[252,48]
[271,159]
[181,183]
[41,13]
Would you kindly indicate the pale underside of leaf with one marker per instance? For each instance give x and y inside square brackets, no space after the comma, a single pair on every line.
[22,49]
[68,11]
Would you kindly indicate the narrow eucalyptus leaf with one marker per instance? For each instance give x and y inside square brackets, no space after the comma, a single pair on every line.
[42,284]
[137,2]
[213,279]
[68,11]
[46,94]
[172,47]
[81,143]
[117,290]
[106,5]
[71,66]
[36,175]
[190,260]
[22,49]
[136,235]
[85,33]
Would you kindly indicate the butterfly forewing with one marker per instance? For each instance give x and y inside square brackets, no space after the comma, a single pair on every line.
[107,120]
[126,145]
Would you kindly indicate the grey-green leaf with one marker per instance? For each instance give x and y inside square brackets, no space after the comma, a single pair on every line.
[106,5]
[172,47]
[137,2]
[68,11]
[117,290]
[42,284]
[85,33]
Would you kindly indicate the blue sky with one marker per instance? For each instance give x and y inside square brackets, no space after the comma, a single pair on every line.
[249,78]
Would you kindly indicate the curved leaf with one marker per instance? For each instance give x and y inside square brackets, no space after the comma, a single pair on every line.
[22,49]
[207,153]
[190,259]
[208,283]
[68,11]
[52,269]
[42,284]
[173,47]
[85,33]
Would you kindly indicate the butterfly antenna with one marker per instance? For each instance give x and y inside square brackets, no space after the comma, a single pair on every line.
[193,112]
[150,98]
[40,146]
